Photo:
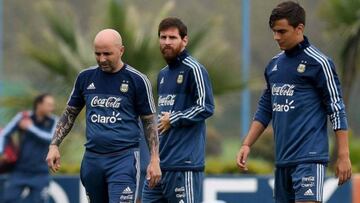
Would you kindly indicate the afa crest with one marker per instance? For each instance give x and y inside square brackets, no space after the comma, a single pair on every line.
[124,87]
[301,68]
[180,79]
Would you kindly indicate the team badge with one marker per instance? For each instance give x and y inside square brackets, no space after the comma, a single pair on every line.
[180,79]
[301,68]
[124,87]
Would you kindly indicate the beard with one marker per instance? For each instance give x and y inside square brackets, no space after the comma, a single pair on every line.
[169,53]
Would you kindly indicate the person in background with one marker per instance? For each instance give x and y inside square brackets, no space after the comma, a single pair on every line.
[29,179]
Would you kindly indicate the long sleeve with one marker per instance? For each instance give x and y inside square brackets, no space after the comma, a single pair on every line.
[203,106]
[328,84]
[264,111]
[8,130]
[45,135]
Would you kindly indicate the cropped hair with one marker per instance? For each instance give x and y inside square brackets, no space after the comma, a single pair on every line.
[173,22]
[292,11]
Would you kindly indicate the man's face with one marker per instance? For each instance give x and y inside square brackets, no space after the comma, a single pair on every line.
[171,43]
[46,107]
[108,56]
[286,35]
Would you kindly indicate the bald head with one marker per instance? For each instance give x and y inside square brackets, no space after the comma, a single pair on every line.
[108,36]
[109,50]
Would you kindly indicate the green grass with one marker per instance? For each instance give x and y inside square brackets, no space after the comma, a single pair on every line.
[225,163]
[230,147]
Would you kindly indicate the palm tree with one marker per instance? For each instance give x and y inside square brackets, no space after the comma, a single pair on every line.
[342,16]
[70,49]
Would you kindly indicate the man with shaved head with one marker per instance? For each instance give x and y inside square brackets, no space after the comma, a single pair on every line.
[116,96]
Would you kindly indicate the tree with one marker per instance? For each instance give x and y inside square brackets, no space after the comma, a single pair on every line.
[71,51]
[342,17]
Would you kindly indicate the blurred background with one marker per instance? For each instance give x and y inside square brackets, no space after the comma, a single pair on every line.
[45,43]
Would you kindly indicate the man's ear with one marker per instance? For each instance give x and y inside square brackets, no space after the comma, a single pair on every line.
[122,49]
[300,28]
[185,40]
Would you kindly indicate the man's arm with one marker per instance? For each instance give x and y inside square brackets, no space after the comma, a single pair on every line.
[8,130]
[65,124]
[262,118]
[201,109]
[343,163]
[151,135]
[327,81]
[63,128]
[256,129]
[43,134]
[152,139]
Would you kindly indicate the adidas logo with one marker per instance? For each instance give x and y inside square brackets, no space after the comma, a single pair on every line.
[309,193]
[162,81]
[127,191]
[275,68]
[91,86]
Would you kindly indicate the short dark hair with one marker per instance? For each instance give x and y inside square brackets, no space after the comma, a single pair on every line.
[39,99]
[173,22]
[292,11]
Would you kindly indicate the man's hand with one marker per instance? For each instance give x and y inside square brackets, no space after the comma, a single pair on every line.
[153,172]
[242,157]
[53,158]
[343,169]
[164,122]
[25,123]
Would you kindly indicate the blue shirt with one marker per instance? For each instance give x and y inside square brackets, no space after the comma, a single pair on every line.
[185,91]
[302,90]
[114,102]
[34,142]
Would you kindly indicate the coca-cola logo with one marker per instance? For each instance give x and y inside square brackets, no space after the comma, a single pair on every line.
[167,100]
[110,102]
[284,90]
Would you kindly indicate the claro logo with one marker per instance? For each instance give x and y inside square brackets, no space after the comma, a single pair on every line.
[284,107]
[97,118]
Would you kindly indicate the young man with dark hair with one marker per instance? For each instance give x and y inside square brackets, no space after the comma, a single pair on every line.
[185,101]
[116,97]
[302,90]
[35,129]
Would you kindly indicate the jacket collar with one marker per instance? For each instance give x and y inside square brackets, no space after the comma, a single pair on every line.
[298,48]
[179,58]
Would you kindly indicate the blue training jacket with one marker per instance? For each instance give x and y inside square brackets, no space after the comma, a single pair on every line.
[34,142]
[184,90]
[302,90]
